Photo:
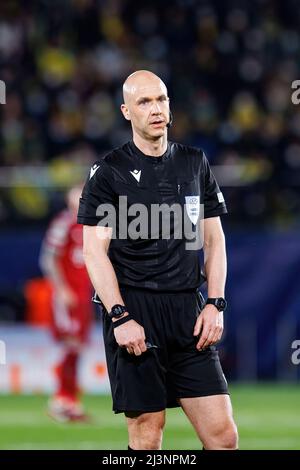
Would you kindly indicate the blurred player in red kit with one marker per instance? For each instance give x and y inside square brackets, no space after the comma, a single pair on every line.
[62,263]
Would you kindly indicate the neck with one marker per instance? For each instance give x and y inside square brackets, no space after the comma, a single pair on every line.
[155,148]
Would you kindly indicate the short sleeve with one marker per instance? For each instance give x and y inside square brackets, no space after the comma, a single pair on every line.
[214,203]
[97,196]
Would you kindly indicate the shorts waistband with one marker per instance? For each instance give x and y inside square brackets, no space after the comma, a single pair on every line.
[146,290]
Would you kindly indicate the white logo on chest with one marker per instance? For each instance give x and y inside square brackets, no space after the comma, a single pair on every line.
[136,174]
[93,170]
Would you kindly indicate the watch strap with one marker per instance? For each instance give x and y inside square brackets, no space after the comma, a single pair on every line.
[121,321]
[219,302]
[211,301]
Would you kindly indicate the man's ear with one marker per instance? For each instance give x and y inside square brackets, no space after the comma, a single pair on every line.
[125,111]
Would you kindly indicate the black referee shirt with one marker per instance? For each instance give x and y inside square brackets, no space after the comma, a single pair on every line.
[181,176]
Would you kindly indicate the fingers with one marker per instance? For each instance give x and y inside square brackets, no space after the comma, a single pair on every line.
[142,346]
[133,349]
[198,326]
[204,337]
[137,351]
[209,336]
[137,347]
[132,337]
[218,334]
[209,340]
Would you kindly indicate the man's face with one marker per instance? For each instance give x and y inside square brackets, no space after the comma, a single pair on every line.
[148,109]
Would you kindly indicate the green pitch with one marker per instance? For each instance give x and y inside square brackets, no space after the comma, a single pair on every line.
[268,417]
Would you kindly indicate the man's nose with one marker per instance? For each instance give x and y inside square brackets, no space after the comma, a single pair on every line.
[156,108]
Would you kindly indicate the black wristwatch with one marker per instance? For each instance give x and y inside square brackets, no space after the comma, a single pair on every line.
[117,311]
[218,302]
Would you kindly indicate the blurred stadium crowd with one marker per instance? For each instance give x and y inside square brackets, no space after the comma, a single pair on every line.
[229,66]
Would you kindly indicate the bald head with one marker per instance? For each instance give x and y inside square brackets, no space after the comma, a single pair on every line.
[146,105]
[142,81]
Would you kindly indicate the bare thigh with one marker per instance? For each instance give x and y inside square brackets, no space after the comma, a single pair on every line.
[212,419]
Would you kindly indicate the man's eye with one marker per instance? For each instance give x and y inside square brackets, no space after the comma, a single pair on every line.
[162,98]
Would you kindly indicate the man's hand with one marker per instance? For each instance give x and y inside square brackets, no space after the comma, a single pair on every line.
[210,325]
[131,335]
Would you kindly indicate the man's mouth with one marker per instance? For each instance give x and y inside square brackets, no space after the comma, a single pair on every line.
[157,122]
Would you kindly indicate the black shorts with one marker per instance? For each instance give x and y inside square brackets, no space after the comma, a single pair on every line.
[175,368]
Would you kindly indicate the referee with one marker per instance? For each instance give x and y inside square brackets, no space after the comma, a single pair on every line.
[159,336]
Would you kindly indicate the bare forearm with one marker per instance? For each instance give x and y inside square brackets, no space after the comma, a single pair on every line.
[104,279]
[215,266]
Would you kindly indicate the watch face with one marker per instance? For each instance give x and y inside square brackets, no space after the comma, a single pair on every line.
[118,310]
[221,304]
